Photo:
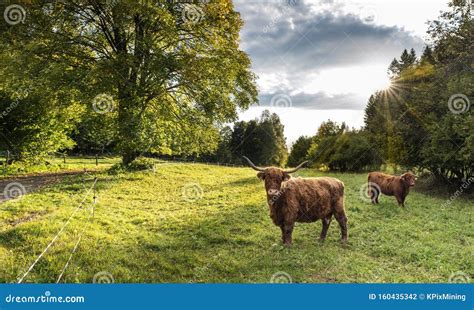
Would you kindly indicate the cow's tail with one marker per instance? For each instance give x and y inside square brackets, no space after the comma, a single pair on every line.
[369,188]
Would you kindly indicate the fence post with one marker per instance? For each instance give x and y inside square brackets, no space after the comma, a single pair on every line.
[64,157]
[96,159]
[95,197]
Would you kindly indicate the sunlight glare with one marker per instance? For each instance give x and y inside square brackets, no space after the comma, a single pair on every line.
[362,80]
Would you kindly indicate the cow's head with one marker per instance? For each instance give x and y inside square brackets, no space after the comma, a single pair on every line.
[409,178]
[273,177]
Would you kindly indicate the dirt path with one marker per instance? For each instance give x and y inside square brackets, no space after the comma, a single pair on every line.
[14,187]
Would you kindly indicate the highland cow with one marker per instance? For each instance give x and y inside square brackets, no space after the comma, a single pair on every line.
[390,185]
[303,200]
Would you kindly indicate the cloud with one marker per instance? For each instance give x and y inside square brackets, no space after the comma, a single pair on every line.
[292,45]
[318,101]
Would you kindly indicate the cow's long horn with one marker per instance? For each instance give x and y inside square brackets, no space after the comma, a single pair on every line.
[253,165]
[297,168]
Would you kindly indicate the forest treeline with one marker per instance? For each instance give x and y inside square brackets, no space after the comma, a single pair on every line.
[423,121]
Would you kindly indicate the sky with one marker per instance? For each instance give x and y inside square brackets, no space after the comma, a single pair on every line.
[322,59]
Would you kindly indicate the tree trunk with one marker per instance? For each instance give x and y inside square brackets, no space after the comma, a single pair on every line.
[129,155]
[129,143]
[129,127]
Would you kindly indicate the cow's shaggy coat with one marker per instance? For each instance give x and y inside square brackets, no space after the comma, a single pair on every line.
[302,200]
[390,185]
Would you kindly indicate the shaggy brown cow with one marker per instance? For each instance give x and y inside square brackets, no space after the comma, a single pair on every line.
[398,186]
[302,200]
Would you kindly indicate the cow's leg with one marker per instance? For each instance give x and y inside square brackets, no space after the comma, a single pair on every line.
[286,232]
[342,220]
[372,194]
[282,227]
[401,201]
[326,222]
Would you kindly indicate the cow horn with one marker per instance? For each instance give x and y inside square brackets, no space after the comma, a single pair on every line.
[297,168]
[253,165]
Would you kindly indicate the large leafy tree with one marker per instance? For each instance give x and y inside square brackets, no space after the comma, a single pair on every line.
[171,71]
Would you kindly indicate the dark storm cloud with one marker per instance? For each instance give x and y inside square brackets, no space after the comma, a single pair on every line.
[295,40]
[318,101]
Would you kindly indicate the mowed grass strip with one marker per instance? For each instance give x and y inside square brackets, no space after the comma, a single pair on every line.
[197,223]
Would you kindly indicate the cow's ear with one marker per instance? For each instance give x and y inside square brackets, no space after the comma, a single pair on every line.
[286,176]
[261,175]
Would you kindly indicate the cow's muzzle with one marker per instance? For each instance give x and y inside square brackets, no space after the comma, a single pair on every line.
[273,192]
[273,195]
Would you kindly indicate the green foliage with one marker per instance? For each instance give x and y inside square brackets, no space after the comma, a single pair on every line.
[340,149]
[425,120]
[31,126]
[407,60]
[261,140]
[174,80]
[96,133]
[138,164]
[141,163]
[299,150]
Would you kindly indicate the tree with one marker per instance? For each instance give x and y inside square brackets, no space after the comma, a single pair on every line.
[325,142]
[163,65]
[32,125]
[299,150]
[96,133]
[425,121]
[261,139]
[330,128]
[427,56]
[394,68]
[342,149]
[272,140]
[407,60]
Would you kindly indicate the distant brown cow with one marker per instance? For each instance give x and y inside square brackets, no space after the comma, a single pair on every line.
[302,200]
[398,186]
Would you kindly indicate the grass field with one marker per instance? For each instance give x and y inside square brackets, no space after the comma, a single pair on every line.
[199,223]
